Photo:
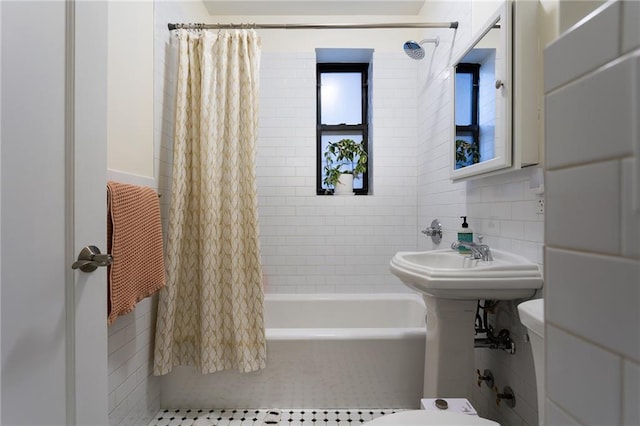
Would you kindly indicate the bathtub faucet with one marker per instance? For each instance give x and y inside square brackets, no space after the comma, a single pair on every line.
[478,251]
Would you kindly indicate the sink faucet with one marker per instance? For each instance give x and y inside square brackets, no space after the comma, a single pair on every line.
[478,251]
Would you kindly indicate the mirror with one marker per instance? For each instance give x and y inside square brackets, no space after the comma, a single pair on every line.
[481,84]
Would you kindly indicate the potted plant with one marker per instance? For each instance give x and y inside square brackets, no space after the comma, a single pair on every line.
[345,159]
[467,153]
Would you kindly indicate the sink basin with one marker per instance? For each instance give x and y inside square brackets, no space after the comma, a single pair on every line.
[447,274]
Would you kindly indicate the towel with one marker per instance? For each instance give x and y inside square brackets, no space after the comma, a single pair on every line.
[134,238]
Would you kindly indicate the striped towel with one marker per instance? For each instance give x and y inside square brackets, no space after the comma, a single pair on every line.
[134,238]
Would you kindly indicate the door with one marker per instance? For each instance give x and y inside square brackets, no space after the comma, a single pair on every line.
[52,203]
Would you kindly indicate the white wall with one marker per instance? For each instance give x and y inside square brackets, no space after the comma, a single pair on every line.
[130,97]
[501,207]
[593,160]
[134,157]
[140,132]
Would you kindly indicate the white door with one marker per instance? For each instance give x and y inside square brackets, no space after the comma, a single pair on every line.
[52,203]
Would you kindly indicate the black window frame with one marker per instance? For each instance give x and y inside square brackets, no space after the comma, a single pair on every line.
[355,67]
[472,129]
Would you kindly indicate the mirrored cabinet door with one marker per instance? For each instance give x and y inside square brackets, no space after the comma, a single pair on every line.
[485,80]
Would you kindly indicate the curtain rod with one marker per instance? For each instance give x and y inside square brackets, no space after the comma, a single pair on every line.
[453,24]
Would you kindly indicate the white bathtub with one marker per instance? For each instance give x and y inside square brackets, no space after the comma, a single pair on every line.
[323,351]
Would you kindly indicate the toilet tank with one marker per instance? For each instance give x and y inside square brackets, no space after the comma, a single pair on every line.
[532,316]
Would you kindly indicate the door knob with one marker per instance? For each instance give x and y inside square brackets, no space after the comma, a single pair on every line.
[90,259]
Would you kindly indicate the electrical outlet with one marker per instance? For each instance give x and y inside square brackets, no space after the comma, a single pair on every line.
[540,207]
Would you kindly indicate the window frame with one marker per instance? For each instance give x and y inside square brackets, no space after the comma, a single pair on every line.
[472,129]
[363,128]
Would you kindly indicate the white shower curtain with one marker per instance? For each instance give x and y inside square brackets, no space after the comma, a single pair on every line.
[210,314]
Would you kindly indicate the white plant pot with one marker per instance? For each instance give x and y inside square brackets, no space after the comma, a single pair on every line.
[344,186]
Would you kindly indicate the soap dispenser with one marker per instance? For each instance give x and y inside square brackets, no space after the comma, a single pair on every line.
[465,235]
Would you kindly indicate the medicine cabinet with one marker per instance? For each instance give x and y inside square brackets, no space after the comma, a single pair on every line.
[497,95]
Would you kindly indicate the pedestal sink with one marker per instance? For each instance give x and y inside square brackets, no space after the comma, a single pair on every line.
[450,275]
[451,284]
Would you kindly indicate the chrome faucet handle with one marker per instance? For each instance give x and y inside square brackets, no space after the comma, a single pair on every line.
[434,231]
[478,251]
[485,252]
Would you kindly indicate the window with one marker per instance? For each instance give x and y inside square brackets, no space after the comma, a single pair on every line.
[466,115]
[342,113]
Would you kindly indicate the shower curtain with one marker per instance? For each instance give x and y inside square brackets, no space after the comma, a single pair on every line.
[210,314]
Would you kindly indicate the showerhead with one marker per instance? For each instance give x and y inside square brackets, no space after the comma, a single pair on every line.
[414,50]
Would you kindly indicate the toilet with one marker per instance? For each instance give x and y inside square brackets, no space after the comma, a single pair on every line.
[429,417]
[532,316]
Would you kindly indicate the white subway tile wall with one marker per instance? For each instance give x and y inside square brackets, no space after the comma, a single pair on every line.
[327,244]
[592,45]
[501,208]
[324,244]
[134,394]
[592,280]
[599,95]
[631,392]
[573,210]
[572,389]
[630,27]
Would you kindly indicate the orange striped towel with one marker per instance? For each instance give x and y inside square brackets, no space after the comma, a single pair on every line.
[134,238]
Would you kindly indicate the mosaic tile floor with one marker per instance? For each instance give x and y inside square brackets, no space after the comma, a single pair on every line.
[252,417]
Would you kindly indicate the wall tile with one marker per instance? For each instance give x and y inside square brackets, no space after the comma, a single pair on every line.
[575,280]
[326,228]
[630,220]
[555,415]
[500,207]
[635,192]
[630,27]
[602,127]
[580,200]
[584,48]
[594,296]
[582,378]
[631,379]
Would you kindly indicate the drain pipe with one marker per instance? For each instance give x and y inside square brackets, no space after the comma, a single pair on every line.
[501,341]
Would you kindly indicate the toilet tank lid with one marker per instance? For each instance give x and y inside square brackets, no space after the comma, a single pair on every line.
[429,417]
[532,315]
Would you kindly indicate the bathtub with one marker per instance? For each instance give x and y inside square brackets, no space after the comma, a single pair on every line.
[323,351]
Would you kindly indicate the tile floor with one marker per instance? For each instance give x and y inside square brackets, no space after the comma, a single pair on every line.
[253,417]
